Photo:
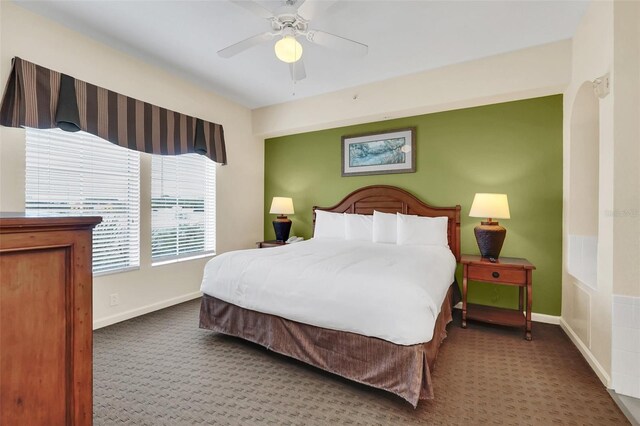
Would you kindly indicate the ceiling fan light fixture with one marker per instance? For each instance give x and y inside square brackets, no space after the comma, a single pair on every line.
[288,49]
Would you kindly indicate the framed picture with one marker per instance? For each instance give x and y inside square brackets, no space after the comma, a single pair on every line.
[379,153]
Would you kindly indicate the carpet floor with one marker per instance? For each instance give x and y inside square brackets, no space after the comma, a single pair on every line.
[160,369]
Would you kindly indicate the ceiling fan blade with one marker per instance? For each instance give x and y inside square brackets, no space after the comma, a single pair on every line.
[254,7]
[297,70]
[313,9]
[243,45]
[336,42]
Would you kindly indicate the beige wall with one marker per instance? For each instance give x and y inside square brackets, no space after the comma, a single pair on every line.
[625,346]
[239,184]
[528,73]
[586,312]
[607,42]
[626,76]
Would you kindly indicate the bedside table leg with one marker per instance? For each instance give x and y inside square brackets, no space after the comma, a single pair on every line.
[520,298]
[464,298]
[527,334]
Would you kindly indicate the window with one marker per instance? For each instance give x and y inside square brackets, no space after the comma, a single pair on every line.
[81,174]
[183,206]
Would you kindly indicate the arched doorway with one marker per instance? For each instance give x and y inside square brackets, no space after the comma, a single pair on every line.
[583,186]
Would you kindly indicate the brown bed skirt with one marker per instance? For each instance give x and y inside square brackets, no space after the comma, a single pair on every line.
[402,370]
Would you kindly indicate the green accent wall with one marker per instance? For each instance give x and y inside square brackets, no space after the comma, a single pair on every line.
[513,148]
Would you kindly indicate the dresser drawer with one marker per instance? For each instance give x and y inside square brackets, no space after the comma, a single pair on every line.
[497,275]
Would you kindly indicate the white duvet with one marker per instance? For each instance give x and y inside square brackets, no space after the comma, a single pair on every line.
[389,291]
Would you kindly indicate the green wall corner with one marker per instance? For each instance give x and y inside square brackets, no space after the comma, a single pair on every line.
[513,148]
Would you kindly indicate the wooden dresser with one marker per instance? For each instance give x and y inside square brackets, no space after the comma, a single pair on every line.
[46,320]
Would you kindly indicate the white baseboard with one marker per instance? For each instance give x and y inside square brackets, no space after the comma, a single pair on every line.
[544,318]
[586,353]
[547,319]
[123,316]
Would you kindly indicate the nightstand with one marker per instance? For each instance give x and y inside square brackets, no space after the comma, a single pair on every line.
[270,243]
[505,271]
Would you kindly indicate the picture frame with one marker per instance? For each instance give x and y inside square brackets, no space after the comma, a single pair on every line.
[378,153]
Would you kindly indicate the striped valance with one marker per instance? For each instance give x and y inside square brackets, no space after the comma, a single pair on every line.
[39,97]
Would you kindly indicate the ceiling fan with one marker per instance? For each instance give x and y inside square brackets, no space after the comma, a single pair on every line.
[288,24]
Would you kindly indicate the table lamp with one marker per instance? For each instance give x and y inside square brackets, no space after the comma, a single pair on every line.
[281,206]
[489,234]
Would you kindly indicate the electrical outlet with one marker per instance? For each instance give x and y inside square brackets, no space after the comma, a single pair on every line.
[114,299]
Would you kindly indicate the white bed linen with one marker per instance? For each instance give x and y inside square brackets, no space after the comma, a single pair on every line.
[379,290]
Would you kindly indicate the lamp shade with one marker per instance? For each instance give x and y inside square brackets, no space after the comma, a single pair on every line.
[288,49]
[281,205]
[495,206]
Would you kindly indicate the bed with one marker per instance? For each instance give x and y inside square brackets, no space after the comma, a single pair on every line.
[370,312]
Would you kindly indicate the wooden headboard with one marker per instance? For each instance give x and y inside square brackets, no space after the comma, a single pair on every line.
[390,199]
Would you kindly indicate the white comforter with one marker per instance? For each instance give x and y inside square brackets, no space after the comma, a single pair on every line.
[388,291]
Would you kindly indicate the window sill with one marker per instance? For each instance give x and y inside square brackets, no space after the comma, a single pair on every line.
[182,259]
[117,271]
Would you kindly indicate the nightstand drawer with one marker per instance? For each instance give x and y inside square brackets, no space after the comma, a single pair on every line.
[497,275]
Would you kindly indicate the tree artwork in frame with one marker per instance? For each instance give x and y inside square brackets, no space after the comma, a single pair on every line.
[379,153]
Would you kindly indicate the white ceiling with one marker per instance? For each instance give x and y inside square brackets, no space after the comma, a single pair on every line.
[404,37]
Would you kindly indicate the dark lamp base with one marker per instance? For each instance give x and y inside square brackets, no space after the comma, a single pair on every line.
[282,226]
[490,237]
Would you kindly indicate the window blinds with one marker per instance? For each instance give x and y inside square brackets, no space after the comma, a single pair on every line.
[81,174]
[183,194]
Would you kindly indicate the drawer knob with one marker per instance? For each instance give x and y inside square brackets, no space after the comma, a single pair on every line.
[495,274]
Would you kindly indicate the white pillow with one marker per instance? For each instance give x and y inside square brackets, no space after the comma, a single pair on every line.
[359,227]
[425,231]
[384,227]
[329,225]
